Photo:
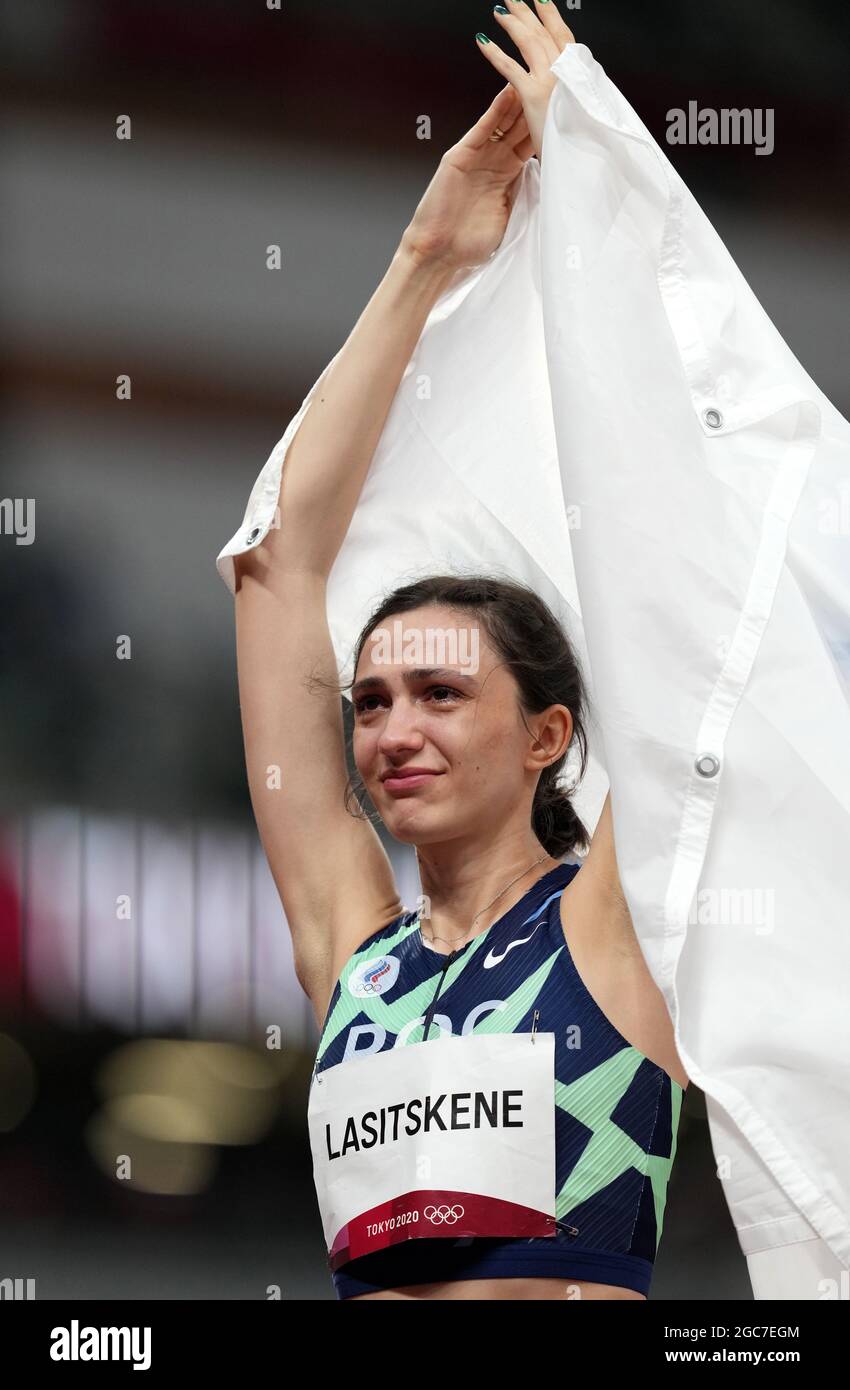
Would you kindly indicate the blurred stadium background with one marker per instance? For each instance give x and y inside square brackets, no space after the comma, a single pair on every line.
[143,948]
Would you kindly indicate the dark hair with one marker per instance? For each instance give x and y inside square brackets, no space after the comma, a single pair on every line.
[530,640]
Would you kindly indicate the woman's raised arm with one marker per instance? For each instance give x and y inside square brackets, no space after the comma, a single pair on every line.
[330,868]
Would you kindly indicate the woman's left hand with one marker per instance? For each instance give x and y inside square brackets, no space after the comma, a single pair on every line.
[541,36]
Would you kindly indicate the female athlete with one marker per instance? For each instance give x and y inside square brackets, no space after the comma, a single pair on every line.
[460,735]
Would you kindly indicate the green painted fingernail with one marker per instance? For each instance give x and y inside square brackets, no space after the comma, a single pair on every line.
[499,9]
[482,38]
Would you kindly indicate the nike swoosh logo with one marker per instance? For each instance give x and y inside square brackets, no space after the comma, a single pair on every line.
[492,959]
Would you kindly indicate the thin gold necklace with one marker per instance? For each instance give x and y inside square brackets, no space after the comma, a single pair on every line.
[446,941]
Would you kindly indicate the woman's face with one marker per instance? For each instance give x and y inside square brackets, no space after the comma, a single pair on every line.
[439,739]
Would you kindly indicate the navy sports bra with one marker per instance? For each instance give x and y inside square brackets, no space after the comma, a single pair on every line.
[616,1112]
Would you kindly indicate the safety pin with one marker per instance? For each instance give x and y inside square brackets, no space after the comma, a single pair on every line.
[534,1018]
[316,1072]
[562,1226]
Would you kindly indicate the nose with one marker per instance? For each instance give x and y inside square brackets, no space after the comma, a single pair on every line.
[400,732]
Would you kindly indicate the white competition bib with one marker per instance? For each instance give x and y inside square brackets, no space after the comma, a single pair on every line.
[452,1137]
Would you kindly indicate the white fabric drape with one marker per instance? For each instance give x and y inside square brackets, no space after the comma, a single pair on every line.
[604,410]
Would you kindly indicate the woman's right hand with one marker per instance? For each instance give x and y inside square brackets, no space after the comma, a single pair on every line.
[462,216]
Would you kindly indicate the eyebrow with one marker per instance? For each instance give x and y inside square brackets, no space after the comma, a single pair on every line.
[419,673]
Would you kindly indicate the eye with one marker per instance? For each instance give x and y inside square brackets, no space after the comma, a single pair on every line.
[444,690]
[362,706]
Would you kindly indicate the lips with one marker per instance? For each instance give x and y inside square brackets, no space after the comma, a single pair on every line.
[405,779]
[408,771]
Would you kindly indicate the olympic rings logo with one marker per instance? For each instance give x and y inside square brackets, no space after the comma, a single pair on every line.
[444,1215]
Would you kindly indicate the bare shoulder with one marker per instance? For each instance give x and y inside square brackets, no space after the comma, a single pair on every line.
[608,958]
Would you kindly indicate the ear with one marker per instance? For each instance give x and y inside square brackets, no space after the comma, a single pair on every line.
[552,731]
